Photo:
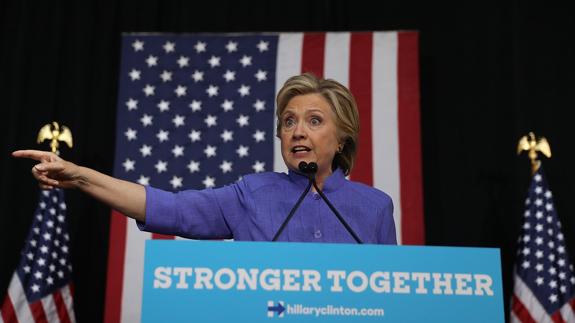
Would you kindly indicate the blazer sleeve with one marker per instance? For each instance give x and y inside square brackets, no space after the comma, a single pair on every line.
[388,234]
[196,214]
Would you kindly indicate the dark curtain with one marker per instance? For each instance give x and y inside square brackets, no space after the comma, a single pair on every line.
[490,73]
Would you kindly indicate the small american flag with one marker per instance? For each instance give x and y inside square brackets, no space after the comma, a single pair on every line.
[41,286]
[544,282]
[197,111]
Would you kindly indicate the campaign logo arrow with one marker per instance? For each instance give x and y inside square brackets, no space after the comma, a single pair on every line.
[279,308]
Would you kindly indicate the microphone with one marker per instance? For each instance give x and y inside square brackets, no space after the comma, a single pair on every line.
[310,172]
[308,169]
[312,167]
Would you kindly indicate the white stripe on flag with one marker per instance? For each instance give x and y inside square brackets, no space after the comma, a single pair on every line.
[567,313]
[385,135]
[513,318]
[288,64]
[530,302]
[18,297]
[69,300]
[336,64]
[50,309]
[133,273]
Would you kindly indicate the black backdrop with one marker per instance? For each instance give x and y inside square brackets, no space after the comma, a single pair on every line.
[489,74]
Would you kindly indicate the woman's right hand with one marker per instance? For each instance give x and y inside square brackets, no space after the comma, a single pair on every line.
[52,171]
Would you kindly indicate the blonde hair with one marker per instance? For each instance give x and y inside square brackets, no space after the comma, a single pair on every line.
[342,104]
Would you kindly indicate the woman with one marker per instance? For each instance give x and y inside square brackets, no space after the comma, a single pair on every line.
[317,121]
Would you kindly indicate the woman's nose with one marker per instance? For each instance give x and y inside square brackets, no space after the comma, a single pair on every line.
[299,131]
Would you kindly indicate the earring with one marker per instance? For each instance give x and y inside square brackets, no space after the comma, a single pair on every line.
[339,149]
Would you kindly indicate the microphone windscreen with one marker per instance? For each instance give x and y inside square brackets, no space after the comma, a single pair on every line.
[312,168]
[303,167]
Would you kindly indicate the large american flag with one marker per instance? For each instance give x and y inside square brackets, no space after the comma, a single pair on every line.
[544,283]
[197,111]
[41,287]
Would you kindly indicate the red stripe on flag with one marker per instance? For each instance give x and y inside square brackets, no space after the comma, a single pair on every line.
[61,307]
[412,223]
[360,84]
[116,252]
[158,236]
[557,318]
[7,311]
[313,53]
[38,312]
[520,310]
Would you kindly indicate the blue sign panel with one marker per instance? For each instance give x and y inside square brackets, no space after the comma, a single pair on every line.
[217,281]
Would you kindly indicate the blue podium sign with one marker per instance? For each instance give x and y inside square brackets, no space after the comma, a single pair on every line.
[216,281]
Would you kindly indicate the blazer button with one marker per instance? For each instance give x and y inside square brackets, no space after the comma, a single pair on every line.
[317,234]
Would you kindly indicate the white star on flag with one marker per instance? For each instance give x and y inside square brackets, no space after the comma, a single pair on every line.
[200,47]
[161,166]
[210,151]
[138,45]
[135,74]
[259,135]
[169,47]
[261,75]
[131,134]
[183,61]
[209,182]
[149,90]
[152,61]
[226,166]
[246,61]
[259,105]
[176,182]
[195,135]
[227,135]
[132,104]
[243,120]
[258,166]
[229,76]
[146,120]
[232,46]
[228,105]
[166,76]
[214,61]
[198,76]
[129,165]
[196,106]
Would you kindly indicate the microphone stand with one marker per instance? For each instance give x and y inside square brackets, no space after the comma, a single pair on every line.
[339,217]
[310,169]
[303,168]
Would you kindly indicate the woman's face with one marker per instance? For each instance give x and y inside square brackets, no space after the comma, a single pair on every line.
[308,133]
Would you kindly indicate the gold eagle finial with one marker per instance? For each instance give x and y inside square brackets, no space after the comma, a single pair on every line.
[532,145]
[53,133]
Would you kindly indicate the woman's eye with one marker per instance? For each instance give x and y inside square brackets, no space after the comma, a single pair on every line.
[315,121]
[289,122]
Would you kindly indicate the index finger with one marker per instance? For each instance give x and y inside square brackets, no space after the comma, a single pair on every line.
[38,155]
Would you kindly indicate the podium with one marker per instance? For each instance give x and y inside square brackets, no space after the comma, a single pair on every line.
[221,281]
